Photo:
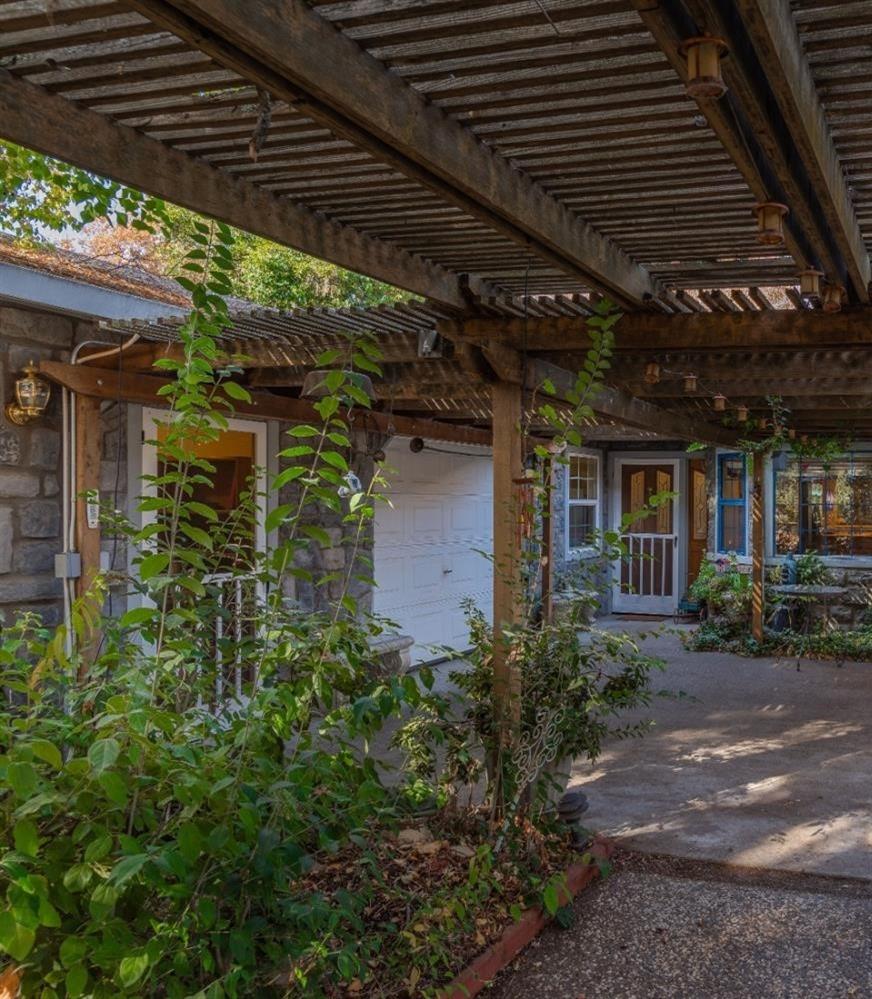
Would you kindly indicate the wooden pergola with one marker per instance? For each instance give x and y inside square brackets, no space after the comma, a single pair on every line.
[508,163]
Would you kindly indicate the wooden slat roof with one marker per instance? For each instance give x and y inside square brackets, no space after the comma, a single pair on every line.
[575,94]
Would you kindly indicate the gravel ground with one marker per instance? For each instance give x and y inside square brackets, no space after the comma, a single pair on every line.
[665,929]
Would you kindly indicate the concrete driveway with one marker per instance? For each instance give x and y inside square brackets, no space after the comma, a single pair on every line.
[758,764]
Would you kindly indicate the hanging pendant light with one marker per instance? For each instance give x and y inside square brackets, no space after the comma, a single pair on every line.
[834,295]
[770,222]
[652,373]
[719,402]
[704,54]
[690,383]
[791,433]
[810,283]
[742,414]
[762,423]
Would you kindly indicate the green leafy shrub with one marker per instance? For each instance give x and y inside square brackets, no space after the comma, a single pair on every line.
[726,592]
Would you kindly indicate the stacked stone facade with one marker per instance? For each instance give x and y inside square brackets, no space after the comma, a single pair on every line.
[30,504]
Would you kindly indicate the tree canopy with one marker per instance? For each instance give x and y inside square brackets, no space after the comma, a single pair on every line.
[45,199]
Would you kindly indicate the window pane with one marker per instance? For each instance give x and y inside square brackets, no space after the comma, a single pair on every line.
[787,510]
[733,528]
[582,522]
[732,478]
[827,510]
[582,478]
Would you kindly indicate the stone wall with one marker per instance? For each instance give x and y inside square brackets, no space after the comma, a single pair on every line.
[30,504]
[348,556]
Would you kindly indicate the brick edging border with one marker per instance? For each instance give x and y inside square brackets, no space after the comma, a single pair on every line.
[515,938]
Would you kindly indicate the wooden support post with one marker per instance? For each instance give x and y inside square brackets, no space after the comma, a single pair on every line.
[88,446]
[757,549]
[547,553]
[507,471]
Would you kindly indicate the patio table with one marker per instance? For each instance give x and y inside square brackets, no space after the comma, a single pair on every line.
[798,592]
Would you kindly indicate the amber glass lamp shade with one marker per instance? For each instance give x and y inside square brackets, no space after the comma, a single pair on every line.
[704,54]
[720,403]
[833,297]
[770,222]
[810,283]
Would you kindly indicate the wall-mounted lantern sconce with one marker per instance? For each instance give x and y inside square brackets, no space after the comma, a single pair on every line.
[652,373]
[704,54]
[32,393]
[719,402]
[834,295]
[742,414]
[810,283]
[770,222]
[690,383]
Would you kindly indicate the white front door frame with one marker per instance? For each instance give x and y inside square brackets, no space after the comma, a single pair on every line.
[623,603]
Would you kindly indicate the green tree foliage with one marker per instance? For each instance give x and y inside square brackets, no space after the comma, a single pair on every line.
[39,195]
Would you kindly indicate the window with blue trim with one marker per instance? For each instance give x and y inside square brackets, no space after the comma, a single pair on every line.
[732,504]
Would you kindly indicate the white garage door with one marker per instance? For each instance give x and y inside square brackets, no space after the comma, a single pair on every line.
[428,543]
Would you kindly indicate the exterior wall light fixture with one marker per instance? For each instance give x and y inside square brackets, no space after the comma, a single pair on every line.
[32,394]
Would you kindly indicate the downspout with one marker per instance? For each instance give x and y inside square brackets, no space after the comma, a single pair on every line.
[68,476]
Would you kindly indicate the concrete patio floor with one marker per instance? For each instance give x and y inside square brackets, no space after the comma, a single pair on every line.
[758,764]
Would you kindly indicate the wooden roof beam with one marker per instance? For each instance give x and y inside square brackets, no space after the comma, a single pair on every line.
[773,31]
[774,329]
[297,55]
[771,150]
[135,387]
[38,120]
[613,403]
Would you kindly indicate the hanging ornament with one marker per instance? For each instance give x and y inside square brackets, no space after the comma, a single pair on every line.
[770,222]
[834,295]
[704,54]
[652,373]
[810,283]
[352,485]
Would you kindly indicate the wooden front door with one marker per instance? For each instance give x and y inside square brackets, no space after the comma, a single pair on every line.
[646,579]
[697,519]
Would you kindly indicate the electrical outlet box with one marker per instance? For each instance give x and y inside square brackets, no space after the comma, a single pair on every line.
[68,565]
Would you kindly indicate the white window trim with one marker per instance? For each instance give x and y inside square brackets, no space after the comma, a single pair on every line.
[585,551]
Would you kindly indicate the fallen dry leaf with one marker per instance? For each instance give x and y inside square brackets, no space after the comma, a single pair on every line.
[10,983]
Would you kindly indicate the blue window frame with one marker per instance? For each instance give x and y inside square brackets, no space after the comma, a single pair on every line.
[732,504]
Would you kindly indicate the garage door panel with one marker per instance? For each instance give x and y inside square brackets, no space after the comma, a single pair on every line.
[427,559]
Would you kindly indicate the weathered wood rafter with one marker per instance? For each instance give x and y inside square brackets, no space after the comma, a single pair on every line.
[706,331]
[34,118]
[299,57]
[758,122]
